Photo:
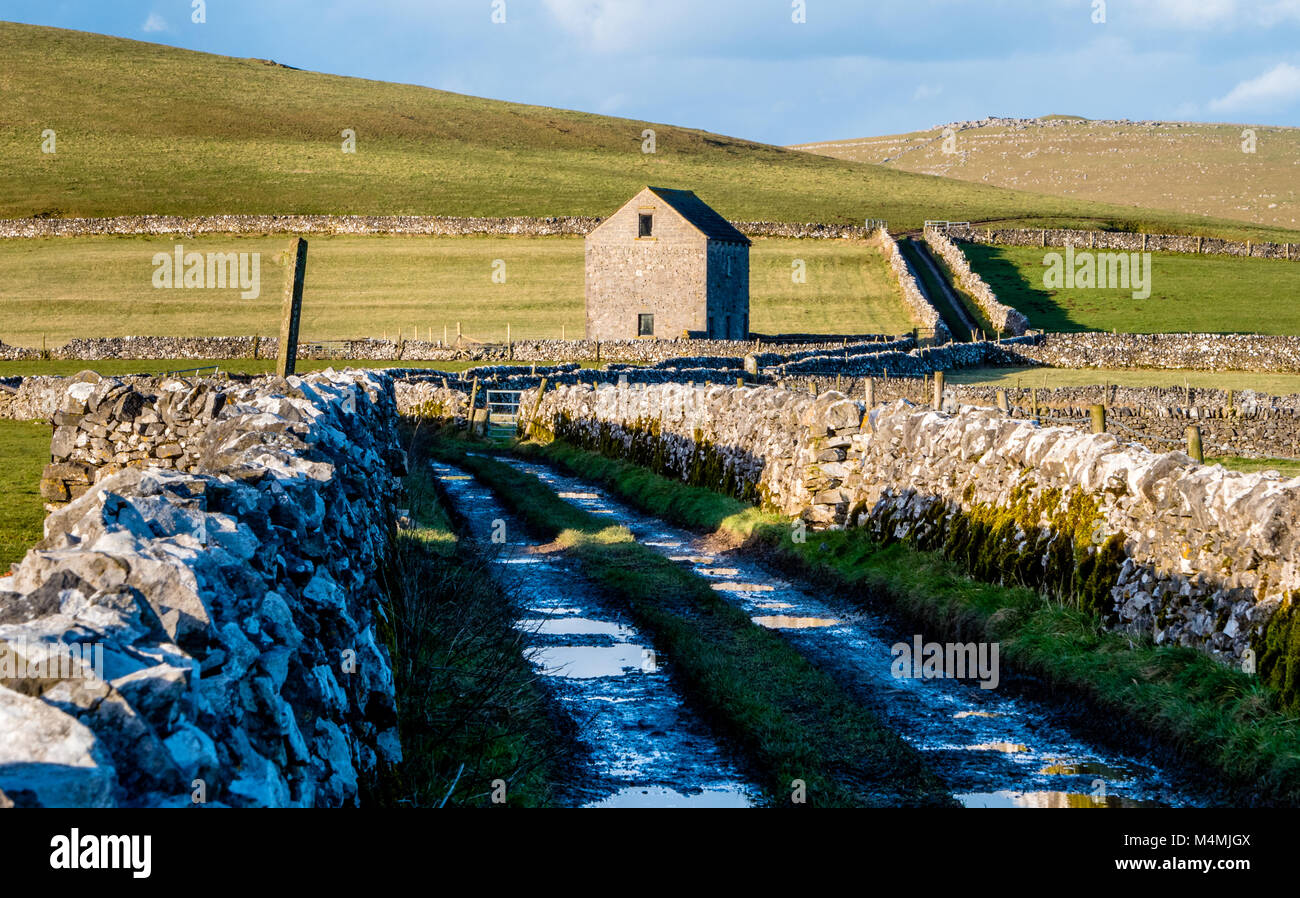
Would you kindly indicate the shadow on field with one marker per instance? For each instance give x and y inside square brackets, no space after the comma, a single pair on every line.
[1014,289]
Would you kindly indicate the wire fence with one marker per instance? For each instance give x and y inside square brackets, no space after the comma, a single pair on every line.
[1114,425]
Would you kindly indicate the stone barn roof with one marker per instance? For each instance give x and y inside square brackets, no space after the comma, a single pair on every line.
[700,215]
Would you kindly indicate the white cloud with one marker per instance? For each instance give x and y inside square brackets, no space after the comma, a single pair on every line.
[610,25]
[1278,87]
[154,23]
[927,91]
[1199,15]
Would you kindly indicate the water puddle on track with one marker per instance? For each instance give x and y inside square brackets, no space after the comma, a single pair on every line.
[994,749]
[644,747]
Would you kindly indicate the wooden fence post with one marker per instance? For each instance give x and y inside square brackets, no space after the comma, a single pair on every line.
[295,274]
[1003,405]
[1098,413]
[473,397]
[1194,443]
[938,390]
[871,392]
[532,418]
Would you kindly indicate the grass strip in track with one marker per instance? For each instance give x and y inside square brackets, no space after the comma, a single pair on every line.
[1221,720]
[792,720]
[470,707]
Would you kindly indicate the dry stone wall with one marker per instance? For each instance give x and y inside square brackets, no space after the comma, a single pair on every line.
[1126,241]
[424,225]
[922,360]
[628,351]
[103,425]
[1190,554]
[1232,423]
[1200,352]
[212,632]
[30,398]
[1236,352]
[1004,318]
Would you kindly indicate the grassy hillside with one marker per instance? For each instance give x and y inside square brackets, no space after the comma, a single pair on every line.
[144,128]
[1189,294]
[52,290]
[1194,169]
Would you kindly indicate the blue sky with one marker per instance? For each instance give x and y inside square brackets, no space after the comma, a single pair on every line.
[746,68]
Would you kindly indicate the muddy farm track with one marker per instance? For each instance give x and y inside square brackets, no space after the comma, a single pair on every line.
[645,744]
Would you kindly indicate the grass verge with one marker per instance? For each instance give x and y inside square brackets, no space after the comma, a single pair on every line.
[470,707]
[24,450]
[790,719]
[1225,722]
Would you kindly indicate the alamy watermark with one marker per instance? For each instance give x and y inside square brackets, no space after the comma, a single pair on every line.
[194,270]
[1078,271]
[953,660]
[102,852]
[40,660]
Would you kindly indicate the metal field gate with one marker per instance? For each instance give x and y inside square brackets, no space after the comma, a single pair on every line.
[503,413]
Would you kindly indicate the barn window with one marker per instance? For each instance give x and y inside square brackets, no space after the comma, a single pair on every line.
[645,224]
[645,325]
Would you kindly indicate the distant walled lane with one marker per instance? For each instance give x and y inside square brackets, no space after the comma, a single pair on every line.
[947,302]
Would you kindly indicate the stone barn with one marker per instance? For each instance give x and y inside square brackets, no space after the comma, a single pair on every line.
[666,265]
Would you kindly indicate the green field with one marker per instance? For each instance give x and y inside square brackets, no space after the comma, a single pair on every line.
[55,289]
[145,128]
[1046,378]
[25,449]
[1189,293]
[1287,467]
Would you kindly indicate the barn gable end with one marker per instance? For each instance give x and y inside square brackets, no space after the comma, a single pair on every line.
[666,265]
